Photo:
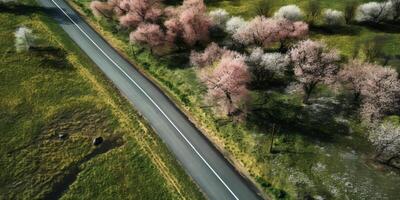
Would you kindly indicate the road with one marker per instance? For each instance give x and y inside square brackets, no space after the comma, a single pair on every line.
[201,160]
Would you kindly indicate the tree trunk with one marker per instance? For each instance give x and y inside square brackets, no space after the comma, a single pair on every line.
[228,96]
[282,47]
[272,139]
[308,89]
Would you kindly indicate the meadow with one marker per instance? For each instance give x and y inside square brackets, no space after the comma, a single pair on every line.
[320,150]
[53,102]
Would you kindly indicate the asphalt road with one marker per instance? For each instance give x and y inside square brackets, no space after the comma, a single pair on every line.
[214,175]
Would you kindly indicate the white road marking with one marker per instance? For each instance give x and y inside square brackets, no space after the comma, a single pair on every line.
[141,89]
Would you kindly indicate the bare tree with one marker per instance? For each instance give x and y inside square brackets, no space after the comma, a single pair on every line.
[350,11]
[263,8]
[313,11]
[374,48]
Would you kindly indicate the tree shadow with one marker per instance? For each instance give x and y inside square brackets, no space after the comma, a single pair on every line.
[27,10]
[52,56]
[315,121]
[177,60]
[381,27]
[336,30]
[21,9]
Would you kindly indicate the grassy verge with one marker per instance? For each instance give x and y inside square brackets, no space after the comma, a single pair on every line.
[52,90]
[324,156]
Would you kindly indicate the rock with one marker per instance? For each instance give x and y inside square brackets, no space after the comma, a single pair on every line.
[97,141]
[62,136]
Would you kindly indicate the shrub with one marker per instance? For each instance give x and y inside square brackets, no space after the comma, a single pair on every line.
[234,24]
[333,17]
[289,12]
[219,17]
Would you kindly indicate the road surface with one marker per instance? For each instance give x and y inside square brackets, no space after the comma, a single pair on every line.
[209,169]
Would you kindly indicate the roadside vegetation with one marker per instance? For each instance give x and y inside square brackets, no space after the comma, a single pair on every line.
[54,102]
[302,95]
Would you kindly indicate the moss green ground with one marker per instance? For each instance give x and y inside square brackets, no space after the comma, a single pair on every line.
[320,150]
[54,89]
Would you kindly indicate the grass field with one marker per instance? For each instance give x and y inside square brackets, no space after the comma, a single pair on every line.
[325,156]
[54,89]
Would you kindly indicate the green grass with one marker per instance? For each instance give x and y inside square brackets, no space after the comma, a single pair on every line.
[322,153]
[54,89]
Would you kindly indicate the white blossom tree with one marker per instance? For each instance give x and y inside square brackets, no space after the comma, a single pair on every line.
[375,12]
[333,17]
[219,17]
[265,66]
[289,12]
[386,139]
[234,24]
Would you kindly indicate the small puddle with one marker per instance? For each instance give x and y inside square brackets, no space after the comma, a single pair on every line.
[72,173]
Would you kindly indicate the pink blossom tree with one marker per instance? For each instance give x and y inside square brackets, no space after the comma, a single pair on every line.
[313,64]
[380,92]
[263,31]
[353,76]
[226,83]
[376,87]
[258,31]
[149,35]
[188,23]
[211,54]
[130,13]
[288,31]
[102,9]
[139,11]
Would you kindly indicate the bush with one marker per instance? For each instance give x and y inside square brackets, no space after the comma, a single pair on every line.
[333,17]
[219,17]
[234,24]
[289,12]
